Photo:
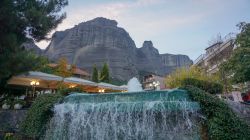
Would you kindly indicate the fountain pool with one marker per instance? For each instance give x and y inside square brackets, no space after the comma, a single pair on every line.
[154,115]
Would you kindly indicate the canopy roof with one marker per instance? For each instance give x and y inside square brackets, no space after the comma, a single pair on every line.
[79,81]
[41,75]
[50,81]
[110,86]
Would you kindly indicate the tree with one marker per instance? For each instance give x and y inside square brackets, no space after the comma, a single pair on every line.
[63,68]
[95,74]
[22,20]
[238,65]
[176,78]
[104,77]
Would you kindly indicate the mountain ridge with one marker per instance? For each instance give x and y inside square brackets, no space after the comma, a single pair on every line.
[100,40]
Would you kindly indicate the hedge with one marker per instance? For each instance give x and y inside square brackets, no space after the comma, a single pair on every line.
[222,122]
[39,113]
[210,87]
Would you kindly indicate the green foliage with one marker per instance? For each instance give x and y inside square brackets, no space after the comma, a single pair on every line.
[104,77]
[38,115]
[221,121]
[66,91]
[175,79]
[9,136]
[95,74]
[19,101]
[238,66]
[20,21]
[210,87]
[62,68]
[117,82]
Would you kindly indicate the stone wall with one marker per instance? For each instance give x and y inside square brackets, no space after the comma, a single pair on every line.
[10,120]
[242,110]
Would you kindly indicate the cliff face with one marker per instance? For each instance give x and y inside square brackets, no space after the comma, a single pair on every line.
[100,40]
[31,46]
[148,59]
[96,42]
[171,62]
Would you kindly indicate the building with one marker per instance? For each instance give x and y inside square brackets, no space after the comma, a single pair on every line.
[216,54]
[153,82]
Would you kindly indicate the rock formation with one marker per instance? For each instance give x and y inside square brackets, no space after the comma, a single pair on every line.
[31,46]
[100,40]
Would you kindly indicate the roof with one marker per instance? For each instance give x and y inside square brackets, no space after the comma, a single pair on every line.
[79,81]
[80,72]
[110,86]
[76,70]
[217,43]
[41,75]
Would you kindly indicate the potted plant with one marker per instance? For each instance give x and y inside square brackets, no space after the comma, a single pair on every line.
[18,103]
[6,104]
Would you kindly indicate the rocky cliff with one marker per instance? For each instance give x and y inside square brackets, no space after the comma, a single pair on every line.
[31,46]
[100,40]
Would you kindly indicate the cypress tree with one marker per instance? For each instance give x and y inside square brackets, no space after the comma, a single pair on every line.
[95,74]
[105,74]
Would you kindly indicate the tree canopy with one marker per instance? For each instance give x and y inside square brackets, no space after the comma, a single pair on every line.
[104,77]
[175,79]
[95,76]
[22,20]
[238,66]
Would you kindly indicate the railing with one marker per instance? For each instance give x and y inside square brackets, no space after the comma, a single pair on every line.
[197,60]
[220,48]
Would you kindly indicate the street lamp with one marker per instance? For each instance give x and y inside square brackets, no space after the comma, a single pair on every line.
[156,84]
[34,84]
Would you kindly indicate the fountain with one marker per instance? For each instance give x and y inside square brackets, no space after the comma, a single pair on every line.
[134,85]
[152,115]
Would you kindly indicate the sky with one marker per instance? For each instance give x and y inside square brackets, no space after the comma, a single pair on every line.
[174,26]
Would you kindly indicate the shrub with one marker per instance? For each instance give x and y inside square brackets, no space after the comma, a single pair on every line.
[174,80]
[210,87]
[66,91]
[222,122]
[38,115]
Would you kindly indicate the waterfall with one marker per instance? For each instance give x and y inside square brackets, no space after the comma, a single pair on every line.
[156,115]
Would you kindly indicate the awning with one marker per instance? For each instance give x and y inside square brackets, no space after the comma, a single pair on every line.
[45,80]
[110,86]
[79,81]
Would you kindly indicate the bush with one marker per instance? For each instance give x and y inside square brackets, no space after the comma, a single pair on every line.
[174,80]
[38,115]
[210,87]
[66,91]
[221,121]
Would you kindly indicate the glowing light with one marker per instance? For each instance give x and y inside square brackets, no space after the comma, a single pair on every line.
[34,83]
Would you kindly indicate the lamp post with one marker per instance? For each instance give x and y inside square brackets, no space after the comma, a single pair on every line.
[156,84]
[33,85]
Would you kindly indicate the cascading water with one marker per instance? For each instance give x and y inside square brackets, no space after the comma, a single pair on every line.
[134,85]
[156,115]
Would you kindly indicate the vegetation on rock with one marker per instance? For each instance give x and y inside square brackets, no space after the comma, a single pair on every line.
[210,87]
[39,113]
[221,121]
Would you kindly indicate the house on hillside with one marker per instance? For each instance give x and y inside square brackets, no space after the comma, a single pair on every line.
[216,54]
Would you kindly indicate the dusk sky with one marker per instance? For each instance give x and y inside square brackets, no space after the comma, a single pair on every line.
[174,26]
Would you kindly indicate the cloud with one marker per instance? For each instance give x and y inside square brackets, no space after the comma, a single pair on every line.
[128,17]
